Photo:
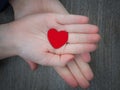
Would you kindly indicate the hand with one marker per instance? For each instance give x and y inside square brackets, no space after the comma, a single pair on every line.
[27,7]
[32,43]
[84,74]
[77,72]
[56,7]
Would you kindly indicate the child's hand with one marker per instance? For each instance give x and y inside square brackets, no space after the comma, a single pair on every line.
[30,37]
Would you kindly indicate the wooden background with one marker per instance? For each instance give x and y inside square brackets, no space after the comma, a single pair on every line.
[15,74]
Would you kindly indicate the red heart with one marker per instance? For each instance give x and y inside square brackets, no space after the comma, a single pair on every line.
[57,39]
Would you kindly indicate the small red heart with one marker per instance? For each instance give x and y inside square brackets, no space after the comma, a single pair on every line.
[57,39]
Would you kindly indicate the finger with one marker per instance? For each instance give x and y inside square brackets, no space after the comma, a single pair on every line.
[75,38]
[57,60]
[84,67]
[81,28]
[82,81]
[86,57]
[32,65]
[66,75]
[71,19]
[77,48]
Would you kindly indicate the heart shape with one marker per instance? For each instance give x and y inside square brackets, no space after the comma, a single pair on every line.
[57,39]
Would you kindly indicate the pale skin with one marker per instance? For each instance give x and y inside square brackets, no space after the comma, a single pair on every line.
[82,72]
[30,42]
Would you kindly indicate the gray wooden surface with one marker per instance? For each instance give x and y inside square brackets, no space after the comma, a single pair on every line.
[16,75]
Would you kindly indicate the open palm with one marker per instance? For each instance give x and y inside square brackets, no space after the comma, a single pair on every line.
[31,38]
[67,72]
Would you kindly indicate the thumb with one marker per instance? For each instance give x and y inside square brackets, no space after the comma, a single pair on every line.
[32,65]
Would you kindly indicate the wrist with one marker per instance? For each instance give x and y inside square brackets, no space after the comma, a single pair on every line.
[7,45]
